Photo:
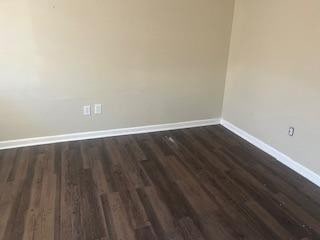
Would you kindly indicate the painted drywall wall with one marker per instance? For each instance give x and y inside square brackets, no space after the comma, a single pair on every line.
[147,62]
[273,75]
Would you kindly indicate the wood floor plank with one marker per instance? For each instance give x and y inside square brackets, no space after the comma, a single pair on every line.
[7,163]
[132,147]
[307,220]
[241,220]
[159,214]
[201,183]
[120,224]
[47,208]
[17,220]
[210,221]
[70,228]
[130,163]
[273,182]
[9,192]
[92,220]
[261,194]
[145,233]
[57,171]
[131,201]
[168,190]
[33,215]
[189,231]
[96,167]
[272,223]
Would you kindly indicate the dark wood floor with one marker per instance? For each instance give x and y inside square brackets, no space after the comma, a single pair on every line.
[201,183]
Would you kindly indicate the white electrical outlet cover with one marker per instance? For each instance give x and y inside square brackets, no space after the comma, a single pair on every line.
[87,110]
[98,108]
[291,131]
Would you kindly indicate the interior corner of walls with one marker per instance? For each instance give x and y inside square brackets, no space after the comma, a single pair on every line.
[225,89]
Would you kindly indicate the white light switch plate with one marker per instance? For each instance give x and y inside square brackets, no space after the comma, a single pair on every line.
[98,108]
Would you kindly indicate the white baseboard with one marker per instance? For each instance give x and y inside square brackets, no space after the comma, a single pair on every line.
[105,133]
[297,167]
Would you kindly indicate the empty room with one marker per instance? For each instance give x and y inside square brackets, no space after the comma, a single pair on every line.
[159,119]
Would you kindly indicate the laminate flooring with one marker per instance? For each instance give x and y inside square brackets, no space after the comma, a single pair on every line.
[190,184]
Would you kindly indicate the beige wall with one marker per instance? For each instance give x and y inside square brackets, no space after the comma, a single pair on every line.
[273,79]
[147,62]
